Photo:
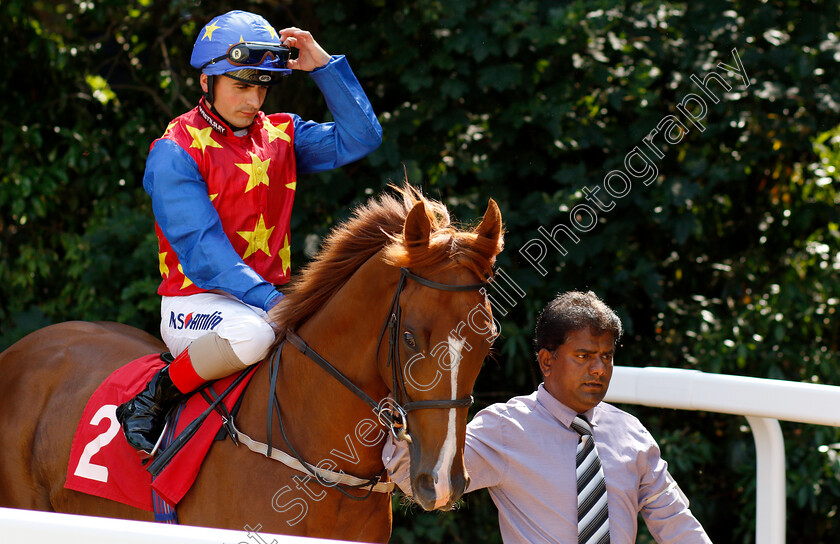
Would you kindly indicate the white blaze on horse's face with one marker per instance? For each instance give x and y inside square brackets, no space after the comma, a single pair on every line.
[443,320]
[443,485]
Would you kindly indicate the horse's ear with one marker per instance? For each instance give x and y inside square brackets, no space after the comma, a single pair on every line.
[417,228]
[491,226]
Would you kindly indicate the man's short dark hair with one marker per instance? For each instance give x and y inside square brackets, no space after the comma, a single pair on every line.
[574,311]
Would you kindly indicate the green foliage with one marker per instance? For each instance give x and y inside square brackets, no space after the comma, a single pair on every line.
[727,262]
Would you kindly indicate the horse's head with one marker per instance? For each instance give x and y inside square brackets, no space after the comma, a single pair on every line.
[429,353]
[442,335]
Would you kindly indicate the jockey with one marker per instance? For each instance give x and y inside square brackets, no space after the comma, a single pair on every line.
[222,179]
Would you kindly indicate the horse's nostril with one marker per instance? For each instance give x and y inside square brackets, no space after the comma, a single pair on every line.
[424,486]
[460,482]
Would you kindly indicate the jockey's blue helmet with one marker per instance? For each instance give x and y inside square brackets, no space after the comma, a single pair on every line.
[243,46]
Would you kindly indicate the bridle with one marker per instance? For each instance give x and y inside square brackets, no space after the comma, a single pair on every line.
[392,412]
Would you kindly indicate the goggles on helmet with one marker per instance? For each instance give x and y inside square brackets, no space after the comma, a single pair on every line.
[254,54]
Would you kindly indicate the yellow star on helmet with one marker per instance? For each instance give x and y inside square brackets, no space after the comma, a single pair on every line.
[187,281]
[164,270]
[278,131]
[271,31]
[285,255]
[209,29]
[257,239]
[257,171]
[202,138]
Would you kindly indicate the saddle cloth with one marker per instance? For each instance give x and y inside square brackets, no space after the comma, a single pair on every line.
[103,464]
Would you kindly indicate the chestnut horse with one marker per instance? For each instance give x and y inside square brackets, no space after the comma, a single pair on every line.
[392,301]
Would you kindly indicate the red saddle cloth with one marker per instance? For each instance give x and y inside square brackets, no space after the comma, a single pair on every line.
[103,464]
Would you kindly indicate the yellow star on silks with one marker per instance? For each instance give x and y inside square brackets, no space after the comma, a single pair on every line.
[271,31]
[257,239]
[213,197]
[187,281]
[292,186]
[164,270]
[285,255]
[208,31]
[202,138]
[278,131]
[257,171]
[168,128]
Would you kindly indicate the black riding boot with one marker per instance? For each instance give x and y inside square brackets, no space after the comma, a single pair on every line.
[143,417]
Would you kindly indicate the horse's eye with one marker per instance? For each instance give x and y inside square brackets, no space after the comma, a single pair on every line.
[408,338]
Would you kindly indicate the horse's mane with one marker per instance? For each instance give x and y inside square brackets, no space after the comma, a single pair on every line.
[375,226]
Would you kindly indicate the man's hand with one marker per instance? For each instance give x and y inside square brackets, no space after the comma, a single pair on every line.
[310,54]
[397,460]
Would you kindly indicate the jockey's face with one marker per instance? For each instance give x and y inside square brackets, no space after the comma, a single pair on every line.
[237,102]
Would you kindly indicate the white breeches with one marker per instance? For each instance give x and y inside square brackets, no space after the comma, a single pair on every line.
[247,328]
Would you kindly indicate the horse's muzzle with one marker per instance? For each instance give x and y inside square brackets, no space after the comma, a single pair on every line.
[431,495]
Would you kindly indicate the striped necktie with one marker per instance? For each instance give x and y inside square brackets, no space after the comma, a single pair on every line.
[593,522]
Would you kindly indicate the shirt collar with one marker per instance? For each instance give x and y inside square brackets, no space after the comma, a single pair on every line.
[213,120]
[560,411]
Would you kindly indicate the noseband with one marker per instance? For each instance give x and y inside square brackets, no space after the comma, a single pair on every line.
[392,412]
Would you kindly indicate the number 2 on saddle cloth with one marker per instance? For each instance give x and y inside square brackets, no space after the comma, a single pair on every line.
[103,464]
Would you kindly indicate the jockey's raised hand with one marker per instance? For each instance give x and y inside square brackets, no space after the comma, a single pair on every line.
[310,54]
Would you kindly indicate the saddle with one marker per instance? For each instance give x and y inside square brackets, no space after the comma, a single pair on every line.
[103,464]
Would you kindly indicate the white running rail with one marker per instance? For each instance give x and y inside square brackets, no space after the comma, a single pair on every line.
[762,401]
[26,527]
